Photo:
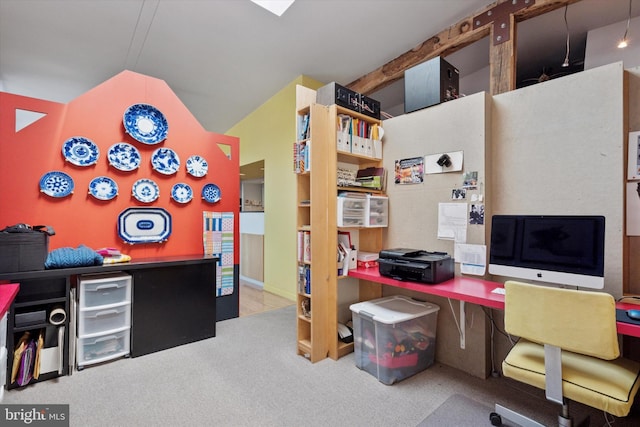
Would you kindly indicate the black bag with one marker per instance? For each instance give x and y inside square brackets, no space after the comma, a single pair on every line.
[23,247]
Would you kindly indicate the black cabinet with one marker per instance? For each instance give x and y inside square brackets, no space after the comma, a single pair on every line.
[41,308]
[174,302]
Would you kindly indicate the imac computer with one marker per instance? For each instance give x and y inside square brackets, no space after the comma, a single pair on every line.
[565,250]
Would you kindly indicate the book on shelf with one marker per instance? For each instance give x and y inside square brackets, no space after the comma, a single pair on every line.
[302,156]
[306,246]
[304,279]
[358,136]
[372,177]
[304,128]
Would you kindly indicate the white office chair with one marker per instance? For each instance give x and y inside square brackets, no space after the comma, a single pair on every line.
[569,347]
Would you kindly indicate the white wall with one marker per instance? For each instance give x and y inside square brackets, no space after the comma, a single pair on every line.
[558,148]
[601,45]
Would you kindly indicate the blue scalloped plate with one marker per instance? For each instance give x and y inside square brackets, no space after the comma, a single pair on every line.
[56,184]
[80,151]
[103,188]
[145,190]
[124,156]
[145,123]
[182,193]
[211,193]
[144,225]
[165,161]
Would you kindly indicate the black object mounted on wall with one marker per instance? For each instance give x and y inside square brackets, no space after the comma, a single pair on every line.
[444,161]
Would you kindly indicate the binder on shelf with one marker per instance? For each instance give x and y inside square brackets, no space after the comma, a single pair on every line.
[372,177]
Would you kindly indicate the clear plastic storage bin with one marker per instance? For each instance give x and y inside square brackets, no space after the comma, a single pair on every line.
[104,290]
[394,337]
[103,319]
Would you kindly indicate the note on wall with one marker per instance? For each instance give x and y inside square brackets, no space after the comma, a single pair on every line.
[452,221]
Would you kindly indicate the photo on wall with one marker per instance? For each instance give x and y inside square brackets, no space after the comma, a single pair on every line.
[409,171]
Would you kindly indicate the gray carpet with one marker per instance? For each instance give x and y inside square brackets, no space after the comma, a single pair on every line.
[250,375]
[460,411]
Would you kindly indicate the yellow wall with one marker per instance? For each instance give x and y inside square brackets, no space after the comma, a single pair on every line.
[268,134]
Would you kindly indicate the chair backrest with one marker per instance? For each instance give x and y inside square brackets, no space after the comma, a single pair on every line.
[574,320]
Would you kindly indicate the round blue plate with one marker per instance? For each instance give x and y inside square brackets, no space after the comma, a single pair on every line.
[124,157]
[211,193]
[145,123]
[145,190]
[56,184]
[165,161]
[182,193]
[80,151]
[197,166]
[103,188]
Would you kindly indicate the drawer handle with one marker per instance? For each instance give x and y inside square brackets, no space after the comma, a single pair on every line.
[99,287]
[106,312]
[109,338]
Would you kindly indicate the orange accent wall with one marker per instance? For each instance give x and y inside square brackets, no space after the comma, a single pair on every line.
[26,155]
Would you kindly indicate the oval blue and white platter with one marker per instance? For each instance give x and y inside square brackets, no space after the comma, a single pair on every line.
[144,225]
[80,151]
[56,184]
[145,123]
[103,188]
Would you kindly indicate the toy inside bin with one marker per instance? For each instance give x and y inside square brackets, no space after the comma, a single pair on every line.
[394,337]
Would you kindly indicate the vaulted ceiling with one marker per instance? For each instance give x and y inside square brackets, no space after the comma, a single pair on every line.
[224,58]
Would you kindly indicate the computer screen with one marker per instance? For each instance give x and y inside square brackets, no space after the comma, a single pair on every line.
[567,250]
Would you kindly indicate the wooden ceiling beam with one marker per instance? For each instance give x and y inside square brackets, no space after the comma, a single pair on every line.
[456,37]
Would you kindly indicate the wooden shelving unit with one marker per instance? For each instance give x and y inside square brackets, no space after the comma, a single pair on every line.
[317,335]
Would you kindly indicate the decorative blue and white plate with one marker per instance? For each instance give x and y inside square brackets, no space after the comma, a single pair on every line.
[182,193]
[211,193]
[145,123]
[56,184]
[144,225]
[124,156]
[80,151]
[103,188]
[145,190]
[165,161]
[197,166]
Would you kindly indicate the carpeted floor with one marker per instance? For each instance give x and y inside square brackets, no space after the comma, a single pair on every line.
[460,411]
[250,375]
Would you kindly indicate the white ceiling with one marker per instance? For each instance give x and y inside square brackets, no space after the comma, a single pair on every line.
[224,58]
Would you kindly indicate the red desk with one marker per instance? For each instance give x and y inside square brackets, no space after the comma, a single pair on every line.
[7,294]
[476,291]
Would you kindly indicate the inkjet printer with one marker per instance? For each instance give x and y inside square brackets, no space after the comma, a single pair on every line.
[415,265]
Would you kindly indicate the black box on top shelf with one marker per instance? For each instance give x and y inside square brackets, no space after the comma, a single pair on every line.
[333,93]
[23,251]
[370,107]
[430,83]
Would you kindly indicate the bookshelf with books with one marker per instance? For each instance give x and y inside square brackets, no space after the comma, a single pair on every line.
[318,128]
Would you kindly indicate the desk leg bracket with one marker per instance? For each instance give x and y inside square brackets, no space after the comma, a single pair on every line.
[463,326]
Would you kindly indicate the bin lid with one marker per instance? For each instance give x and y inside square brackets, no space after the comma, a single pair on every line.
[394,309]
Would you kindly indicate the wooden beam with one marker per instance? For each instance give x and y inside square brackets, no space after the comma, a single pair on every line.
[453,39]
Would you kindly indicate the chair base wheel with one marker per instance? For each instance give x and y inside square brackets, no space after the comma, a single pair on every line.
[496,419]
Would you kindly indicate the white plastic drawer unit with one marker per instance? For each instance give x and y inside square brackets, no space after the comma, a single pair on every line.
[104,290]
[377,211]
[104,319]
[100,348]
[351,211]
